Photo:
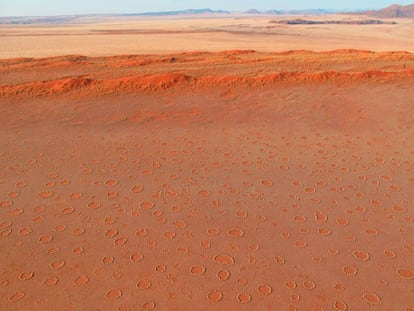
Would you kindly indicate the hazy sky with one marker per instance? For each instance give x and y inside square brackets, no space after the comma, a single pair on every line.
[59,7]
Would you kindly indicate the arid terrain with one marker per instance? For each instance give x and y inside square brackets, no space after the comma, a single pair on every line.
[108,36]
[138,174]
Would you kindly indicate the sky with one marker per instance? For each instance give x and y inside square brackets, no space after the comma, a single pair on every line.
[68,7]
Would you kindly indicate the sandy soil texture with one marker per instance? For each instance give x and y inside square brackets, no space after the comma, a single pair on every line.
[106,36]
[208,181]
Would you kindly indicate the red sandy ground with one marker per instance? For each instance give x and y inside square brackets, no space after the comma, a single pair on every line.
[208,181]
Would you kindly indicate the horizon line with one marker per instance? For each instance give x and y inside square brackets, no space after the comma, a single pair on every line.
[217,11]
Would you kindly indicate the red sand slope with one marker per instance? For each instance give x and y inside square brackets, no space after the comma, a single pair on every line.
[208,181]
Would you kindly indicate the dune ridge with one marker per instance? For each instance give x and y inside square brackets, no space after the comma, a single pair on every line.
[149,74]
[153,83]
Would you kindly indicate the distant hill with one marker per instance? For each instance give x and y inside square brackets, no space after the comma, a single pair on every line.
[40,19]
[393,11]
[291,12]
[66,19]
[252,11]
[181,12]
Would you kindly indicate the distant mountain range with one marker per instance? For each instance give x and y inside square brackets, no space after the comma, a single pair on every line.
[393,11]
[28,20]
[291,12]
[181,12]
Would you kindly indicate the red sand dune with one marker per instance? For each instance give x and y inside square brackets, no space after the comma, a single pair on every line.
[136,73]
[208,181]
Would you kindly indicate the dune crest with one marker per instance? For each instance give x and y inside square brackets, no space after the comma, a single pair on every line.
[186,70]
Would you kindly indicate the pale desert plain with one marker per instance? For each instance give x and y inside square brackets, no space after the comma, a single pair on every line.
[207,163]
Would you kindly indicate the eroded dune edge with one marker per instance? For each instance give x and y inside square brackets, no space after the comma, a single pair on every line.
[146,73]
[235,180]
